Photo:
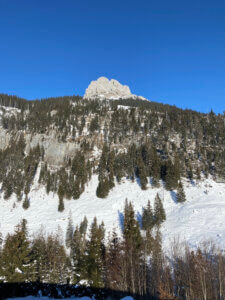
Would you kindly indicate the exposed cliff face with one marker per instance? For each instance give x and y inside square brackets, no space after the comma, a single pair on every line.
[55,151]
[103,88]
[4,139]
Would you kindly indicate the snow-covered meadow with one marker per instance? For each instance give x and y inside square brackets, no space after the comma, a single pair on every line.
[200,218]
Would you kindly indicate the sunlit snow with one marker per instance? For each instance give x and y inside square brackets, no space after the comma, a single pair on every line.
[201,217]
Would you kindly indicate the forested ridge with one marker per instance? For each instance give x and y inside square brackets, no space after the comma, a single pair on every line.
[114,139]
[61,143]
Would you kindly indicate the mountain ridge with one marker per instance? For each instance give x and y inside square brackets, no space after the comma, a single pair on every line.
[56,148]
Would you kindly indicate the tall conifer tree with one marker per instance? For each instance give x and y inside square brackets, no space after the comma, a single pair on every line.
[181,197]
[159,212]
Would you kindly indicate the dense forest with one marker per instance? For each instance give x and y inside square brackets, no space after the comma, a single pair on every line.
[133,262]
[137,139]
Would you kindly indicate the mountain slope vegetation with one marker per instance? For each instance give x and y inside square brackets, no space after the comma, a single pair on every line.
[115,139]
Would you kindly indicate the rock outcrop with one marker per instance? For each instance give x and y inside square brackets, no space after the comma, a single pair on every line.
[103,88]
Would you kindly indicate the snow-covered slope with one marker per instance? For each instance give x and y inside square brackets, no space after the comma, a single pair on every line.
[201,217]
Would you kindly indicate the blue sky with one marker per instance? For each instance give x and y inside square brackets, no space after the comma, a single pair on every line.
[168,51]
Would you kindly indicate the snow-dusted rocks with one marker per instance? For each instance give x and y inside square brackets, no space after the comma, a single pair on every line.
[103,88]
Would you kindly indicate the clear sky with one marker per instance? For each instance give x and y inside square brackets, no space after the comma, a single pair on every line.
[169,51]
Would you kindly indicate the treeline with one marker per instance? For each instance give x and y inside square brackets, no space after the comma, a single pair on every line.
[141,163]
[18,170]
[196,138]
[144,164]
[133,263]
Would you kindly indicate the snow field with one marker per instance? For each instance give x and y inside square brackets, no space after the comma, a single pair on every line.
[200,218]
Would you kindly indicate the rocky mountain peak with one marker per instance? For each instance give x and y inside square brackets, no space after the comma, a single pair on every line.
[103,88]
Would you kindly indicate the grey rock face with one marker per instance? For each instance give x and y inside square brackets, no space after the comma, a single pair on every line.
[103,88]
[55,151]
[4,139]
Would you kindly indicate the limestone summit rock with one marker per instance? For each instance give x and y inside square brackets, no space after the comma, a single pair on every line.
[103,88]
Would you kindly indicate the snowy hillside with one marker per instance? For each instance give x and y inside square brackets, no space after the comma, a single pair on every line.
[201,217]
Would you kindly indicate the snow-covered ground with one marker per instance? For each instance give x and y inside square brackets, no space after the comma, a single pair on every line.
[201,217]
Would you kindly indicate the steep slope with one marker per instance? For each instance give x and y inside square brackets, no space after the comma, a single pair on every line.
[200,218]
[75,148]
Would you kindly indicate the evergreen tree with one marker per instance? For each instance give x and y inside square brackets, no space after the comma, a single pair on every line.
[26,203]
[148,217]
[131,230]
[154,165]
[83,226]
[104,183]
[16,256]
[79,169]
[7,187]
[190,172]
[172,175]
[40,264]
[56,260]
[48,183]
[95,254]
[148,241]
[133,246]
[198,174]
[94,125]
[159,212]
[76,190]
[110,164]
[61,189]
[61,205]
[181,197]
[69,232]
[78,256]
[114,263]
[103,188]
[156,261]
[141,172]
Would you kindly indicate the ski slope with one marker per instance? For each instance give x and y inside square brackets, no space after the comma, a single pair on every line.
[200,218]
